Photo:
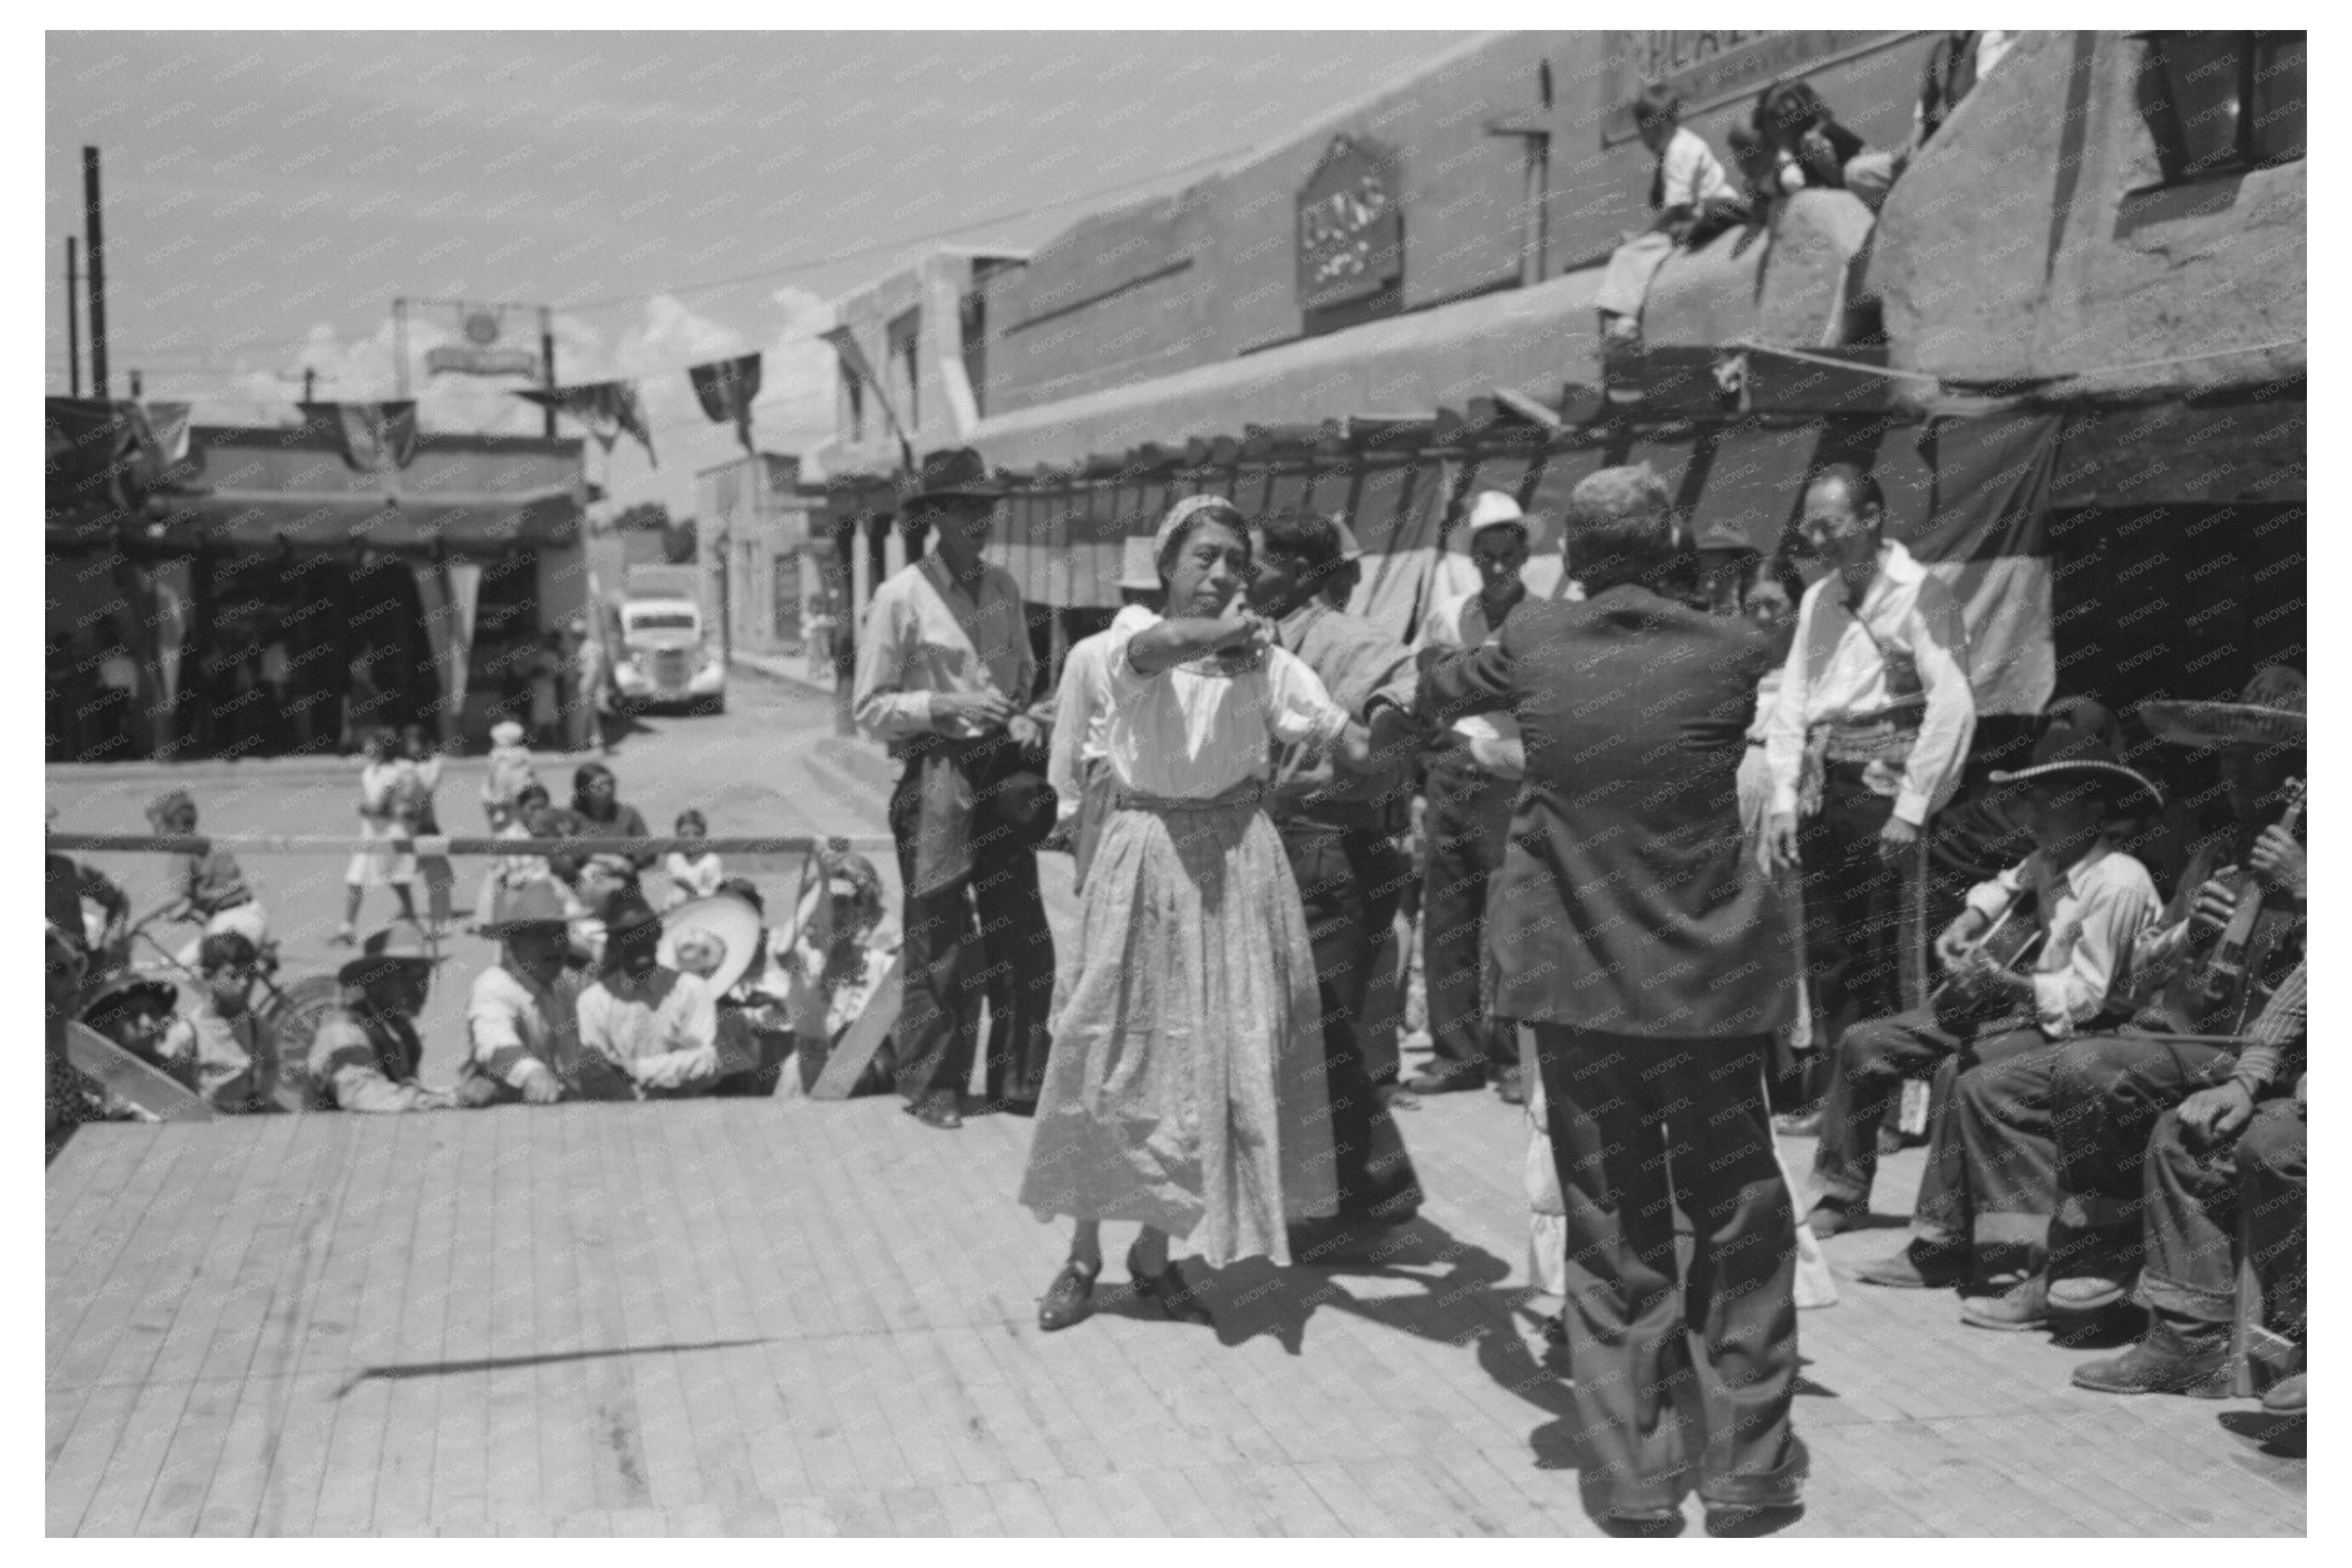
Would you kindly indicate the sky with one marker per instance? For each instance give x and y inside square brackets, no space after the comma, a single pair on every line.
[675,197]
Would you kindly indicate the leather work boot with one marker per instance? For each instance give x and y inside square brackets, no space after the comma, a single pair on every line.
[2085,1293]
[2175,1358]
[2024,1305]
[2286,1398]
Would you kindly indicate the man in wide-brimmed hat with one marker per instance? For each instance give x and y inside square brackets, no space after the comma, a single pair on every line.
[659,1025]
[2088,900]
[1473,781]
[2180,1044]
[946,678]
[366,1052]
[523,1025]
[1075,767]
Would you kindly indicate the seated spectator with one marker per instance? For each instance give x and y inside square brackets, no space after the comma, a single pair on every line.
[523,1025]
[595,884]
[2089,902]
[207,888]
[68,882]
[691,876]
[1811,150]
[596,797]
[2226,1153]
[137,1014]
[1690,203]
[657,1025]
[720,939]
[366,1052]
[218,1047]
[839,956]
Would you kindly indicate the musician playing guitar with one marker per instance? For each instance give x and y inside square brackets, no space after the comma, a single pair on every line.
[2083,901]
[2198,980]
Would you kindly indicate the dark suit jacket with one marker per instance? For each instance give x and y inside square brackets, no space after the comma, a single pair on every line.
[1628,901]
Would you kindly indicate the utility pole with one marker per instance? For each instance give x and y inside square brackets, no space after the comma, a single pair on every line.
[73,323]
[399,349]
[547,362]
[310,381]
[134,383]
[94,228]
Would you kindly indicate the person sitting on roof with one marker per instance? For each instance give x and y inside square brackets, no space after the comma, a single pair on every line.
[1812,152]
[366,1052]
[1690,200]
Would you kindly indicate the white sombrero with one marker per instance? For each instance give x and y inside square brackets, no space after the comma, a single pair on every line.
[722,915]
[2268,713]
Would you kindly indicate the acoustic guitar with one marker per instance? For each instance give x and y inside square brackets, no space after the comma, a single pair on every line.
[2009,942]
[2232,994]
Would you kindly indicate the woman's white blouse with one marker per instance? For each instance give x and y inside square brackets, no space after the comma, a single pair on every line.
[1186,734]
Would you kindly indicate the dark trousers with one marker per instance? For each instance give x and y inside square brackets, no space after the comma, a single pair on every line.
[1639,1126]
[1873,1060]
[2194,1195]
[2108,1090]
[1469,824]
[986,936]
[1853,905]
[1349,884]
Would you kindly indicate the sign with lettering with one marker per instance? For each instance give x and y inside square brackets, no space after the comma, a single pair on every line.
[1711,68]
[1350,227]
[480,353]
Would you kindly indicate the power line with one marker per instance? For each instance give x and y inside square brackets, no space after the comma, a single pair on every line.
[879,247]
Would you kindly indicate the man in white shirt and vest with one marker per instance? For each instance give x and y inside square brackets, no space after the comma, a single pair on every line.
[1472,784]
[944,673]
[1865,743]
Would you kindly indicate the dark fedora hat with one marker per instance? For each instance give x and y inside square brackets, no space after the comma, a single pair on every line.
[2079,742]
[629,915]
[957,474]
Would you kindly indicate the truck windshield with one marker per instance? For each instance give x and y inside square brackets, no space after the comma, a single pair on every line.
[663,620]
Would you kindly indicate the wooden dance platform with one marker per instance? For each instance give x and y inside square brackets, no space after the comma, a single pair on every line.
[783,1316]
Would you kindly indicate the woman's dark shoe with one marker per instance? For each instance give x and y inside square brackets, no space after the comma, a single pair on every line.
[1830,1216]
[1069,1299]
[1167,1288]
[937,1109]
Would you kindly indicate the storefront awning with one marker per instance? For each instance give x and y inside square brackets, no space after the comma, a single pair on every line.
[1533,340]
[480,522]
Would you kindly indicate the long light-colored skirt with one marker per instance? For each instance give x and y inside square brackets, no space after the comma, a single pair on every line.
[1185,1090]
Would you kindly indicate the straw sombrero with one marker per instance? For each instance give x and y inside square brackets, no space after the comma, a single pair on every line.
[722,915]
[2268,713]
[2079,741]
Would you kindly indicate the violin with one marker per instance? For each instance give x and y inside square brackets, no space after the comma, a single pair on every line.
[2253,932]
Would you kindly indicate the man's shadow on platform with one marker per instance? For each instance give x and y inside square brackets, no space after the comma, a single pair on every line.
[1465,1304]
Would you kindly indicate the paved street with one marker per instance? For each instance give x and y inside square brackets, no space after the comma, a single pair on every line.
[783,1316]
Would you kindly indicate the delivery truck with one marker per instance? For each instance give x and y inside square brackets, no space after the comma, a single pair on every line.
[663,652]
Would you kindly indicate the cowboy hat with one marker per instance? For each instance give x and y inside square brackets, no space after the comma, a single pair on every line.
[722,917]
[1137,574]
[958,474]
[2078,741]
[2268,713]
[627,915]
[517,904]
[1492,510]
[394,945]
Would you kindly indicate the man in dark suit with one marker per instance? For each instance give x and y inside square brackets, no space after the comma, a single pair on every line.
[1654,965]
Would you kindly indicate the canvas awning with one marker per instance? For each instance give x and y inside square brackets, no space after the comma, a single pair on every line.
[1534,341]
[480,522]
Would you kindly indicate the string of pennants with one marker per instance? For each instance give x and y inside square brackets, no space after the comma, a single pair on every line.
[610,410]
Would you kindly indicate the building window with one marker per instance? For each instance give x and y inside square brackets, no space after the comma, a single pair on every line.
[2227,102]
[853,402]
[904,334]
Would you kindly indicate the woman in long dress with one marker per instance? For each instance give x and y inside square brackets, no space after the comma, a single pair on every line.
[1185,1090]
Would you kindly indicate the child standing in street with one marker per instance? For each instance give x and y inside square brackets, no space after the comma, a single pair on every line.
[510,770]
[691,876]
[380,863]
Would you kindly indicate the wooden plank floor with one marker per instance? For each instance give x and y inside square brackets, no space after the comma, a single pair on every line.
[789,1317]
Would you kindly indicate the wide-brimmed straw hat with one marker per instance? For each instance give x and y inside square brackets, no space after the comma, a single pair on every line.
[516,905]
[2078,742]
[2268,713]
[388,948]
[957,474]
[722,917]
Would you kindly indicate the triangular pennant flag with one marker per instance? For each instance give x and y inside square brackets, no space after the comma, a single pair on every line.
[609,408]
[726,388]
[376,436]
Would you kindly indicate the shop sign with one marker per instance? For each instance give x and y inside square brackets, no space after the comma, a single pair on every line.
[1350,227]
[1711,68]
[479,354]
